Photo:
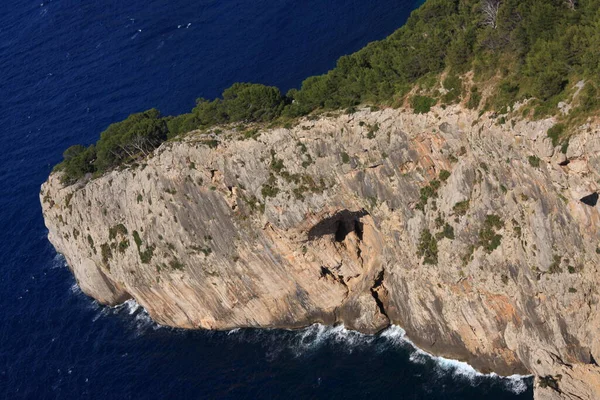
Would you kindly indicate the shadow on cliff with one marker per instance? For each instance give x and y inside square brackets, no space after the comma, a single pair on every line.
[339,225]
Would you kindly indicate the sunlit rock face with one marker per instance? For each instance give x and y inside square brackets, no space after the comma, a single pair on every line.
[479,239]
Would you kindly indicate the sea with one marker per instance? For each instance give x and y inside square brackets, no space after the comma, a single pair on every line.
[69,68]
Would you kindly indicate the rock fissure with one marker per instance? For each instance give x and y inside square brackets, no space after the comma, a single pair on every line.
[378,285]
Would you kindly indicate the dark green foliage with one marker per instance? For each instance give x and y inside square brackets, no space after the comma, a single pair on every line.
[211,143]
[270,189]
[345,157]
[534,161]
[448,231]
[91,243]
[555,133]
[121,142]
[137,239]
[138,135]
[119,229]
[474,98]
[146,255]
[454,88]
[141,133]
[252,103]
[444,175]
[555,266]
[589,99]
[461,207]
[78,161]
[488,238]
[422,104]
[242,102]
[176,265]
[106,252]
[428,248]
[532,49]
[427,192]
[123,245]
[276,163]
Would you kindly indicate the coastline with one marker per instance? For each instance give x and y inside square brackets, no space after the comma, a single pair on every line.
[310,338]
[325,222]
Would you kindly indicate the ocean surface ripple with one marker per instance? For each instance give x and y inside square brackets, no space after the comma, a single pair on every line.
[68,69]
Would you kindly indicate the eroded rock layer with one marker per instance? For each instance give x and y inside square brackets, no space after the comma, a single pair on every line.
[480,239]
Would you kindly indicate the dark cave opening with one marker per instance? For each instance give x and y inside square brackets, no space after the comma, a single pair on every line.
[340,225]
[590,200]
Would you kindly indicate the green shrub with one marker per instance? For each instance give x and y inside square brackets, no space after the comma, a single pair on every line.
[454,88]
[91,243]
[137,239]
[444,175]
[175,264]
[534,161]
[345,157]
[555,133]
[422,104]
[488,238]
[555,266]
[270,189]
[118,229]
[538,48]
[123,245]
[427,248]
[146,255]
[448,231]
[461,208]
[78,161]
[106,252]
[589,99]
[474,99]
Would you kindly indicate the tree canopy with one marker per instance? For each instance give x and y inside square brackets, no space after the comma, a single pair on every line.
[521,49]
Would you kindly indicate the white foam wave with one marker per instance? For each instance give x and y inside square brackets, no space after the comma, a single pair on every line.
[59,261]
[315,336]
[515,383]
[75,289]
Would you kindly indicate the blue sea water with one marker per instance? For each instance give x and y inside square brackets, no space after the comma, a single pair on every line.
[68,68]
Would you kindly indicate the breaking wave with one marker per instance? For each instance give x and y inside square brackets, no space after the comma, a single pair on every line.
[315,337]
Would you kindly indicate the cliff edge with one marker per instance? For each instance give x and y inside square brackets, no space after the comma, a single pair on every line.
[476,236]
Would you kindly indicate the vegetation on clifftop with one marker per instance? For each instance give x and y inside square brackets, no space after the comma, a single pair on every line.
[534,50]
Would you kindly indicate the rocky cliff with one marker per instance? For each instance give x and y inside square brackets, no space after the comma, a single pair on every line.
[474,234]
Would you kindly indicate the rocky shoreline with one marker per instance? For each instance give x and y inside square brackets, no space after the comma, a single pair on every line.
[473,233]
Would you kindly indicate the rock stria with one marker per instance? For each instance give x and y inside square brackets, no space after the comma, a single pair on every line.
[479,239]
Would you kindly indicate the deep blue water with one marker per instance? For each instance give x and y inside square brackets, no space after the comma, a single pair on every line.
[68,68]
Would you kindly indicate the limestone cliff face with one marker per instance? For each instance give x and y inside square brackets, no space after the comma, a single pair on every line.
[354,219]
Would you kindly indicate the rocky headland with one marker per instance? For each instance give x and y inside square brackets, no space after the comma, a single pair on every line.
[474,234]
